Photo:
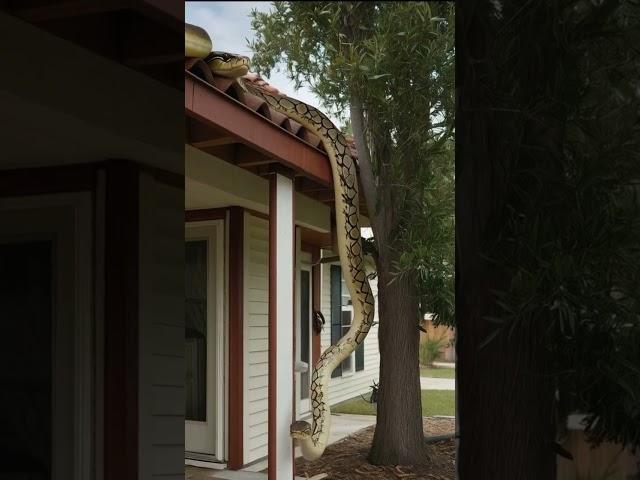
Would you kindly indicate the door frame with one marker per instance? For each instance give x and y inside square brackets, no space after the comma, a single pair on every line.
[216,343]
[87,381]
[303,407]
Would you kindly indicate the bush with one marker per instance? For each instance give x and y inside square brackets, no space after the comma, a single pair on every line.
[431,350]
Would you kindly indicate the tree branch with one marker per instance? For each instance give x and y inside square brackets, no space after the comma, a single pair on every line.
[364,161]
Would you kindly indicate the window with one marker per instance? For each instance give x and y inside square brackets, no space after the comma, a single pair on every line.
[341,318]
[346,315]
[305,347]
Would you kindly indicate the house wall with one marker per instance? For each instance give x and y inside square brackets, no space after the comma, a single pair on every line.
[161,334]
[349,386]
[256,337]
[598,462]
[256,321]
[91,110]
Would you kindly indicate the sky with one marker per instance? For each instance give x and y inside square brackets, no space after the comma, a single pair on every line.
[229,26]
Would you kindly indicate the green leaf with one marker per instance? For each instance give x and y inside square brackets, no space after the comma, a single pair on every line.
[489,338]
[376,77]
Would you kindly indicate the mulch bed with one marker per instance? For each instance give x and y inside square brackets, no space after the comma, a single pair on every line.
[347,459]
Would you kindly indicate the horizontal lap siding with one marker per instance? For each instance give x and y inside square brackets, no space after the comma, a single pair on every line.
[162,395]
[256,321]
[358,383]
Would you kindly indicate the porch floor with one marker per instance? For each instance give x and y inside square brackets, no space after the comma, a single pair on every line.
[342,425]
[197,473]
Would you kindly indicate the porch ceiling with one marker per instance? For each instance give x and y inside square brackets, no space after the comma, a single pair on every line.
[211,182]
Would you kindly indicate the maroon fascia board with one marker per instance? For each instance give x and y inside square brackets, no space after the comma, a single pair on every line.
[210,106]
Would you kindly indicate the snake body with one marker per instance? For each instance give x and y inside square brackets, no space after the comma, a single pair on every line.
[313,437]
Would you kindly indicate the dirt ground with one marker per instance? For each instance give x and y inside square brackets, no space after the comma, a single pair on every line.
[347,459]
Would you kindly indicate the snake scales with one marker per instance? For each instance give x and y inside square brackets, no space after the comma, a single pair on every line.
[313,437]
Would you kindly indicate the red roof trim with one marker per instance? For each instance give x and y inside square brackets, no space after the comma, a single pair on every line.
[209,105]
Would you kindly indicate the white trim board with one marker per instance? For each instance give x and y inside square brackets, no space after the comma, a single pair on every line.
[285,410]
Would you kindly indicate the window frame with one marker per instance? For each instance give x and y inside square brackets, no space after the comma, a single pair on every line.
[349,366]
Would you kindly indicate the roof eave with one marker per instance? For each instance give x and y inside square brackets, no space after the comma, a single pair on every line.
[216,109]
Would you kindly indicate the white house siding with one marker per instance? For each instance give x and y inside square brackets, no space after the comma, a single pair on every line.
[359,382]
[256,327]
[161,337]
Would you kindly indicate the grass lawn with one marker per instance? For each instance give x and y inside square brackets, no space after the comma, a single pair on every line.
[434,402]
[438,372]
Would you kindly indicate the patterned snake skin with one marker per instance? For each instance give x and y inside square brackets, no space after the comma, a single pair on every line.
[313,438]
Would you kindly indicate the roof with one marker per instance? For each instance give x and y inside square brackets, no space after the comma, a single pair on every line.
[226,121]
[232,89]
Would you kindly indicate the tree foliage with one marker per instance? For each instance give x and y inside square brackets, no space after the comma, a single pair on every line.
[570,239]
[398,59]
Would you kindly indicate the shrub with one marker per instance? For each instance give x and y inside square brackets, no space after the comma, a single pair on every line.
[431,350]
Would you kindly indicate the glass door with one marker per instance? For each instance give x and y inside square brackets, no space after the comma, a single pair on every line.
[303,340]
[26,303]
[204,388]
[196,330]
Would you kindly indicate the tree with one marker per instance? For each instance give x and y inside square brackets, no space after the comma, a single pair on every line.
[391,64]
[548,260]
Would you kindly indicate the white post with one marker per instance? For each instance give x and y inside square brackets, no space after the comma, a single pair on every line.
[281,301]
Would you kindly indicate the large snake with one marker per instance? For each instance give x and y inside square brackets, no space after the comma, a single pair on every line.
[313,437]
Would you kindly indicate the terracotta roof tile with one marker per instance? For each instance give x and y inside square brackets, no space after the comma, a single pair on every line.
[257,80]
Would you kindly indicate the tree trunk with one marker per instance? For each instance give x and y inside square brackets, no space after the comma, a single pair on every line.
[505,395]
[505,400]
[398,437]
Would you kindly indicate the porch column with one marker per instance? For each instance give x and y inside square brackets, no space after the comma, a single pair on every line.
[281,299]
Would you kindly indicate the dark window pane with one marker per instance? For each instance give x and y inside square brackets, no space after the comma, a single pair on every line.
[346,317]
[26,310]
[304,331]
[336,309]
[360,357]
[346,364]
[196,330]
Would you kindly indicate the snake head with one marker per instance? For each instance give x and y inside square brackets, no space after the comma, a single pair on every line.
[226,64]
[300,430]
